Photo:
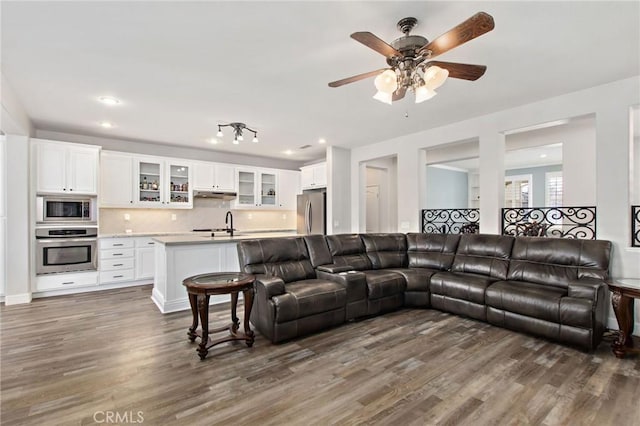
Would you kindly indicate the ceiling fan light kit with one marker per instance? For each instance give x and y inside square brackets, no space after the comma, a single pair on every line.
[238,128]
[409,60]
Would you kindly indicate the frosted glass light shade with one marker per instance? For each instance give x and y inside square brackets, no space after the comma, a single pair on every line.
[255,139]
[235,142]
[435,76]
[424,93]
[383,97]
[219,134]
[386,82]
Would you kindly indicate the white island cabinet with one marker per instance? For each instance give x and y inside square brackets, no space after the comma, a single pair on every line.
[180,257]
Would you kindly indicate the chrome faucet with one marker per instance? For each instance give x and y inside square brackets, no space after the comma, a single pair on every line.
[226,222]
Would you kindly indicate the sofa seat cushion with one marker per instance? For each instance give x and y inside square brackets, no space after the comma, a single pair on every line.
[525,298]
[308,297]
[460,285]
[417,279]
[383,283]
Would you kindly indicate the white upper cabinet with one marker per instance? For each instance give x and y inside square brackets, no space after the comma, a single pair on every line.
[66,168]
[257,189]
[144,181]
[213,177]
[116,180]
[288,189]
[314,176]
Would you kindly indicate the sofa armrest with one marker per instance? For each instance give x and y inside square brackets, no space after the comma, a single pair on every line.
[332,268]
[269,286]
[354,282]
[587,288]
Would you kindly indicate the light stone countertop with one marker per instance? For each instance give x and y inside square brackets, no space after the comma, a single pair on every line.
[193,238]
[190,233]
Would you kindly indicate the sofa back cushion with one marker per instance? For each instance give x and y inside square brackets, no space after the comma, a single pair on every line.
[348,249]
[386,250]
[483,254]
[433,251]
[556,261]
[318,249]
[286,258]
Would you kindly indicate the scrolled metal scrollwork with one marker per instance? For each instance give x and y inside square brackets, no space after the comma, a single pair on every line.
[450,221]
[558,222]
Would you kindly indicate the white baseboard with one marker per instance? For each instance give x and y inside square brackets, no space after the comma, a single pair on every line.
[17,299]
[178,305]
[63,292]
[612,324]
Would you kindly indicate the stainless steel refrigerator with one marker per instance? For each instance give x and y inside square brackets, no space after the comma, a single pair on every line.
[312,213]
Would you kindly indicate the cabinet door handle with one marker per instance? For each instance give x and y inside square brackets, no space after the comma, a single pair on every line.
[69,282]
[117,264]
[117,254]
[151,243]
[70,189]
[118,276]
[117,245]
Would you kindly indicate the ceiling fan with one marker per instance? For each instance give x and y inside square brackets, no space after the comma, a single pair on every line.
[409,59]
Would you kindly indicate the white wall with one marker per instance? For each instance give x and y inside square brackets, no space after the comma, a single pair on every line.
[338,190]
[16,125]
[609,102]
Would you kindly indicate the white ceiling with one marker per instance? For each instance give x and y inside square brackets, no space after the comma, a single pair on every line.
[181,68]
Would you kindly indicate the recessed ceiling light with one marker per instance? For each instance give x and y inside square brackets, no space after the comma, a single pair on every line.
[543,155]
[106,125]
[109,100]
[288,152]
[322,140]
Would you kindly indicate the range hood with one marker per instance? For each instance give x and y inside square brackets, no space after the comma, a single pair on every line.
[220,195]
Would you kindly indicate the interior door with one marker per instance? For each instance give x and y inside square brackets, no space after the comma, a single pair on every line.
[373,209]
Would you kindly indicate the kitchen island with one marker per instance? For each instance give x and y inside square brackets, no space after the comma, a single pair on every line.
[181,256]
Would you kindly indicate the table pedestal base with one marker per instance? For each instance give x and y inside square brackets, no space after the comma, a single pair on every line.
[200,309]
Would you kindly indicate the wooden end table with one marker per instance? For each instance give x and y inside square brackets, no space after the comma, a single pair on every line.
[200,288]
[624,291]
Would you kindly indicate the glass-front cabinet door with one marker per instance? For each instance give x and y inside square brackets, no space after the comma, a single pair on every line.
[246,189]
[179,185]
[268,186]
[149,183]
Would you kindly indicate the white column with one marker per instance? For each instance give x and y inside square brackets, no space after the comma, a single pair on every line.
[491,182]
[18,288]
[408,189]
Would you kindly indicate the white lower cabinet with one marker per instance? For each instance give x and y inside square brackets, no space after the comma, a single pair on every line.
[145,258]
[127,259]
[66,281]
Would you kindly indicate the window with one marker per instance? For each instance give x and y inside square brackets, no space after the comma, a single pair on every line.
[553,189]
[517,191]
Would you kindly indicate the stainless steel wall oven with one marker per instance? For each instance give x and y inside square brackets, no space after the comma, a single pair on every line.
[66,249]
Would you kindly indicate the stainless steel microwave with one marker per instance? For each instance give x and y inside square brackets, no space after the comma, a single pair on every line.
[65,209]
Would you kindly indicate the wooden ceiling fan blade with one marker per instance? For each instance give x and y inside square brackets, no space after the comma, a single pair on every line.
[355,78]
[478,24]
[375,43]
[462,71]
[399,94]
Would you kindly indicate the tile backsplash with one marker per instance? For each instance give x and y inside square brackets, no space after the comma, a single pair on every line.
[206,213]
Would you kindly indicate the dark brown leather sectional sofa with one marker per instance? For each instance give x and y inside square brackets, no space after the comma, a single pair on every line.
[555,288]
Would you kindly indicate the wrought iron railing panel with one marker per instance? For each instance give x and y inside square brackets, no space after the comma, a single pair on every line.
[557,222]
[450,221]
[635,226]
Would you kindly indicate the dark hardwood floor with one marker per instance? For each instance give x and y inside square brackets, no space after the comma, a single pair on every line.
[78,359]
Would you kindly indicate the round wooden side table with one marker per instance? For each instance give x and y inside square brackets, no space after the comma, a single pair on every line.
[200,288]
[624,291]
